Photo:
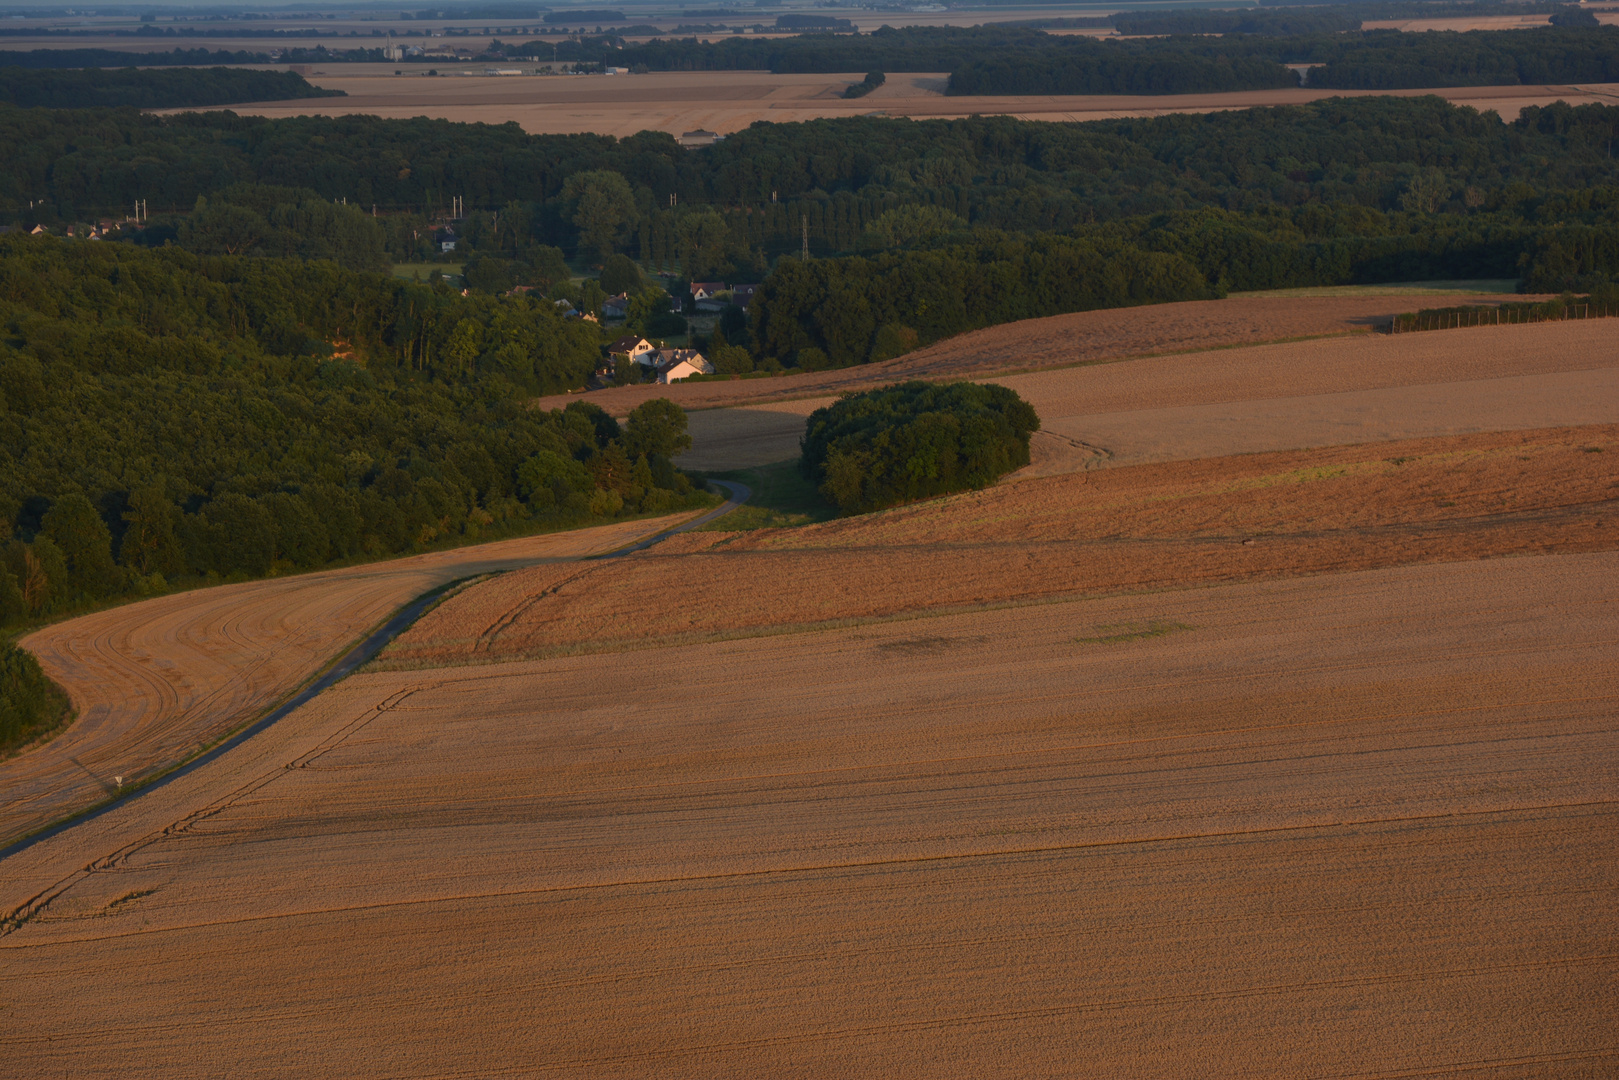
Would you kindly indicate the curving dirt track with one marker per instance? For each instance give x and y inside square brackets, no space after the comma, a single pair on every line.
[156,681]
[1353,825]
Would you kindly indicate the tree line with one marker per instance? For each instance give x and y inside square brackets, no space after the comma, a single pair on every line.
[166,416]
[1289,21]
[742,203]
[1372,60]
[837,312]
[163,88]
[1338,191]
[29,704]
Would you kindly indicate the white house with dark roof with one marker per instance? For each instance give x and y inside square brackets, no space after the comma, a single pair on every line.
[676,364]
[635,347]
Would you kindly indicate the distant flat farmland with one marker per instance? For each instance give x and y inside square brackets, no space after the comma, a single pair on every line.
[727,101]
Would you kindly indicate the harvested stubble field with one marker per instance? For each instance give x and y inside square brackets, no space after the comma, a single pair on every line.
[1353,825]
[154,682]
[1299,763]
[727,101]
[1333,391]
[1085,337]
[1145,528]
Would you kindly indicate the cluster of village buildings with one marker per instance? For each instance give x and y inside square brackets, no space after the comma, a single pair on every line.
[82,231]
[672,365]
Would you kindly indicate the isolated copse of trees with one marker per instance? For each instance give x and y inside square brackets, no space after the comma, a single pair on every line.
[915,440]
[165,415]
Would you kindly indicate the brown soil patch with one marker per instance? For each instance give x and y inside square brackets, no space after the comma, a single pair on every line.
[155,682]
[1150,527]
[1361,824]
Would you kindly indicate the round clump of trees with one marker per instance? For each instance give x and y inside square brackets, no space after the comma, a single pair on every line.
[915,440]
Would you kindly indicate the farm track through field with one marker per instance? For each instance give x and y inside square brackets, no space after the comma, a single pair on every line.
[156,683]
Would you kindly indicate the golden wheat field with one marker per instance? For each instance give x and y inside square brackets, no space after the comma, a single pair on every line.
[1360,824]
[1284,745]
[728,101]
[1210,403]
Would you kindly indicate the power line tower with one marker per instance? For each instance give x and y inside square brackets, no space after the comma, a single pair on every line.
[804,254]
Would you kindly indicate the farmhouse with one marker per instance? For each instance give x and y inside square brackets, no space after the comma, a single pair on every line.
[676,364]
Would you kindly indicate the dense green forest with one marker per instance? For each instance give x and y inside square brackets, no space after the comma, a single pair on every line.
[167,88]
[114,58]
[914,441]
[166,415]
[1205,52]
[838,312]
[742,202]
[1339,191]
[1374,60]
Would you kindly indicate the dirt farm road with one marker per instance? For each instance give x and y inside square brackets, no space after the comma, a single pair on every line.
[156,682]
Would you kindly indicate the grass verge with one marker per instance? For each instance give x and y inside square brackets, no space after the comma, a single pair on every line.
[782,497]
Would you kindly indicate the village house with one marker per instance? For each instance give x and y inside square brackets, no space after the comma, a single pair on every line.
[742,295]
[636,348]
[616,307]
[710,296]
[675,364]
